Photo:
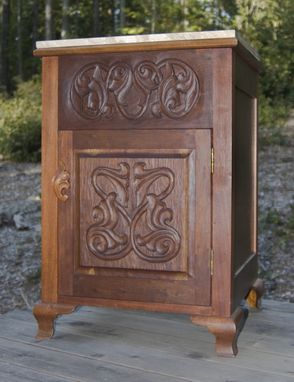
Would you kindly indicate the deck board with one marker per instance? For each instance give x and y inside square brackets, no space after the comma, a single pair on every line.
[97,344]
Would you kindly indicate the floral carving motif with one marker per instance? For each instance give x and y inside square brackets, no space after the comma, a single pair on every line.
[169,87]
[142,224]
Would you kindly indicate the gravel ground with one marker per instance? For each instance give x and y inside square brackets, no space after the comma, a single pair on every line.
[276,216]
[20,234]
[20,230]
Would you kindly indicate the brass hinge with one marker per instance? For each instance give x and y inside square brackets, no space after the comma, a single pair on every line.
[211,261]
[212,160]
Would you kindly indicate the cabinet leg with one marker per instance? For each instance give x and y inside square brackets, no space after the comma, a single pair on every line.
[46,314]
[254,296]
[225,329]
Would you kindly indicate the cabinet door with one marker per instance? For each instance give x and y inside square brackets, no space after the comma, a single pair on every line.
[136,225]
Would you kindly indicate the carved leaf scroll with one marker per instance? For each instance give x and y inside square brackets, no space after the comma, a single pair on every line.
[169,87]
[144,226]
[61,184]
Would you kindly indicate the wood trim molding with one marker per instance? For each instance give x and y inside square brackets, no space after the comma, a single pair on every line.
[49,166]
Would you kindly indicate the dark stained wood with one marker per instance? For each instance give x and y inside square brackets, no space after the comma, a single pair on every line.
[251,59]
[245,261]
[244,278]
[149,183]
[243,179]
[46,314]
[245,77]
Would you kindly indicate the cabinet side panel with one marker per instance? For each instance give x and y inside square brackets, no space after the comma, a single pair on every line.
[49,166]
[245,182]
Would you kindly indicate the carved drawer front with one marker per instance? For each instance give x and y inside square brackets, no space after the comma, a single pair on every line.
[137,217]
[145,90]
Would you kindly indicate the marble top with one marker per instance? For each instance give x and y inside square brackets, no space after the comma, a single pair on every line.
[135,39]
[220,35]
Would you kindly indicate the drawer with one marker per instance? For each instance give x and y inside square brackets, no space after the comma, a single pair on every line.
[137,90]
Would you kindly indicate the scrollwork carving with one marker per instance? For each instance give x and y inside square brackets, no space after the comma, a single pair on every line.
[169,87]
[108,237]
[122,225]
[61,184]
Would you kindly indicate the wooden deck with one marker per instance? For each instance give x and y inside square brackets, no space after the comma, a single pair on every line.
[107,345]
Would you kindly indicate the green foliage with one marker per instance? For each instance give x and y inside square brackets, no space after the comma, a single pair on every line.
[20,123]
[266,24]
[290,221]
[282,226]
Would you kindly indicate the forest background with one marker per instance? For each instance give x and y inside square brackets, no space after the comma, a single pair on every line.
[266,24]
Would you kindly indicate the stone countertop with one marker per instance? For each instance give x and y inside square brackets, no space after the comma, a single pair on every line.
[135,39]
[220,38]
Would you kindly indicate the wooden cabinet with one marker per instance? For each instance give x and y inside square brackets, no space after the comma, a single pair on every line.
[149,178]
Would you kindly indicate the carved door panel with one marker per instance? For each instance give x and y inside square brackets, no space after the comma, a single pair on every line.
[136,223]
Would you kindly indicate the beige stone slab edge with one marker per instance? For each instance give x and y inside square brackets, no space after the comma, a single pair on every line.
[131,39]
[97,43]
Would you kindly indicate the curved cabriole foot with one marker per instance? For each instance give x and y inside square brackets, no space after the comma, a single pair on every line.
[254,296]
[225,329]
[46,315]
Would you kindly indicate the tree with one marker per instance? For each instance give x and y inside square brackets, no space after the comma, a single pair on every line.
[5,78]
[153,16]
[122,15]
[96,18]
[48,20]
[19,38]
[65,21]
[35,22]
[268,26]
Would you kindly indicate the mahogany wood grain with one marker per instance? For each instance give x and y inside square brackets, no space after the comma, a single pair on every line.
[46,314]
[222,182]
[136,211]
[136,90]
[49,168]
[66,212]
[137,305]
